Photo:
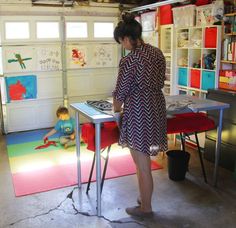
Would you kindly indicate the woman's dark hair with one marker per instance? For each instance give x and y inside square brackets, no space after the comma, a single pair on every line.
[62,110]
[128,27]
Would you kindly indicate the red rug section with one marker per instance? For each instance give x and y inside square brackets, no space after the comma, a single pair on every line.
[66,175]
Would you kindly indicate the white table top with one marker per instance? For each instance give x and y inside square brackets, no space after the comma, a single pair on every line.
[174,104]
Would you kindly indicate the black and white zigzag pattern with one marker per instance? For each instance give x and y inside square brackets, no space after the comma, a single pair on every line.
[140,80]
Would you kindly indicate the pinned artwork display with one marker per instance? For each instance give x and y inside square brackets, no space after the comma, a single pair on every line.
[48,58]
[18,59]
[21,87]
[102,55]
[77,56]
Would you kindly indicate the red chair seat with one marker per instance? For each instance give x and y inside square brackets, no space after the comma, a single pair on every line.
[189,123]
[109,134]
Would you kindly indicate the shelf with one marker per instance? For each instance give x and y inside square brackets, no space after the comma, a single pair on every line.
[229,62]
[230,34]
[195,68]
[192,88]
[230,14]
[199,51]
[167,82]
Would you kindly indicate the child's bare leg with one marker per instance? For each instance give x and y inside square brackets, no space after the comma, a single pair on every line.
[64,140]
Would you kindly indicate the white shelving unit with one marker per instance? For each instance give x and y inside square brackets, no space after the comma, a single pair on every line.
[166,45]
[197,61]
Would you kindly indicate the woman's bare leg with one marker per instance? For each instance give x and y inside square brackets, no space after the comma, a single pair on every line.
[144,174]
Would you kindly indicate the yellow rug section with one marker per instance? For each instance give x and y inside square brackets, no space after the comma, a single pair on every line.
[40,160]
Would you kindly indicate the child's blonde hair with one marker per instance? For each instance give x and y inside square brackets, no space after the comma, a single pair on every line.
[62,110]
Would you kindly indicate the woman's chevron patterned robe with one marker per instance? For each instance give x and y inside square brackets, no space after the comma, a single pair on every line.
[140,80]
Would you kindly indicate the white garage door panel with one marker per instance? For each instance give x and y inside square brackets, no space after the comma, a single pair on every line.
[47,117]
[50,87]
[32,115]
[103,84]
[92,82]
[20,117]
[79,85]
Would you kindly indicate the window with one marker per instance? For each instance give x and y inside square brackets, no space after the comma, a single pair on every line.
[103,29]
[17,30]
[76,30]
[48,30]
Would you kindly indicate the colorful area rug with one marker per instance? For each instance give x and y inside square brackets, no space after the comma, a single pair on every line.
[54,167]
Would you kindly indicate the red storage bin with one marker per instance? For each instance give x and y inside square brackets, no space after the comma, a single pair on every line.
[211,37]
[195,78]
[166,16]
[202,2]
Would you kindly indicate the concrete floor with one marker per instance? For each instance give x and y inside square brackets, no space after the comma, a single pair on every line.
[189,203]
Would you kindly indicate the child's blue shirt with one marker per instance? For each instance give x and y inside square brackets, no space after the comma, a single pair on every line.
[65,127]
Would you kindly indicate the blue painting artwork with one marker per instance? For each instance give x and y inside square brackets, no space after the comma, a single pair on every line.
[21,87]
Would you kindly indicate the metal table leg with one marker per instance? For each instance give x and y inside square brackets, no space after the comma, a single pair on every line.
[77,136]
[98,166]
[217,150]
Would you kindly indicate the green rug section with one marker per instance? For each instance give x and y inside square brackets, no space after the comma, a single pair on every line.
[16,150]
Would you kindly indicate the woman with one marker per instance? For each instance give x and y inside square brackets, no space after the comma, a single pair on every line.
[138,88]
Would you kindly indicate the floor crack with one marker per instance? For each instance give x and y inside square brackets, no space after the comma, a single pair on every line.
[70,196]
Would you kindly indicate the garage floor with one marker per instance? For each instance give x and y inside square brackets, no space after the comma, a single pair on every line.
[189,203]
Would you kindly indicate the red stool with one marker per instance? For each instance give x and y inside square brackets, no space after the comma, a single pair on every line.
[109,136]
[190,123]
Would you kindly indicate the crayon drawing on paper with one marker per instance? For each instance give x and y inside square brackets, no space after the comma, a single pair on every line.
[49,58]
[103,55]
[77,56]
[19,59]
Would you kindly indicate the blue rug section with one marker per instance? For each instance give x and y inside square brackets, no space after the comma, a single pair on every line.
[28,136]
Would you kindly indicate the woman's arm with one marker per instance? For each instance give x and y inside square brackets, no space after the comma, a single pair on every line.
[117,105]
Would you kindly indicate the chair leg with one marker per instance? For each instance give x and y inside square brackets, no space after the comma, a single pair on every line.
[105,167]
[91,173]
[182,141]
[200,157]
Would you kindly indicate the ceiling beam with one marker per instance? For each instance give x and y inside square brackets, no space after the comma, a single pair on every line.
[154,5]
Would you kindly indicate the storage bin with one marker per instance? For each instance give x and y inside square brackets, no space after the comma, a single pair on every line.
[182,76]
[202,2]
[195,78]
[208,80]
[211,37]
[204,15]
[148,21]
[166,15]
[184,16]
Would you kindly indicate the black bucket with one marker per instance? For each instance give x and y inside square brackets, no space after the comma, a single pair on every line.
[177,164]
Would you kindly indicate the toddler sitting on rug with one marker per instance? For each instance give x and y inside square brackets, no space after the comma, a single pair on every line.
[66,126]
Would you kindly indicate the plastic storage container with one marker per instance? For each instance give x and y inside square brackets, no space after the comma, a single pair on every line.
[195,78]
[166,15]
[184,16]
[208,80]
[204,15]
[211,37]
[182,79]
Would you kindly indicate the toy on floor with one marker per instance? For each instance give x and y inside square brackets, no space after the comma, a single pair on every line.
[46,144]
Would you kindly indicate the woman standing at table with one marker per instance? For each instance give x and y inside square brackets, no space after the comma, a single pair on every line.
[138,88]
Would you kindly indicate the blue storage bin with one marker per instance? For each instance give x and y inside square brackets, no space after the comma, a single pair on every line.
[182,76]
[208,80]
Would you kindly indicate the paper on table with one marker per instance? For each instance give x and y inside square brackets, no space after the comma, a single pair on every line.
[178,105]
